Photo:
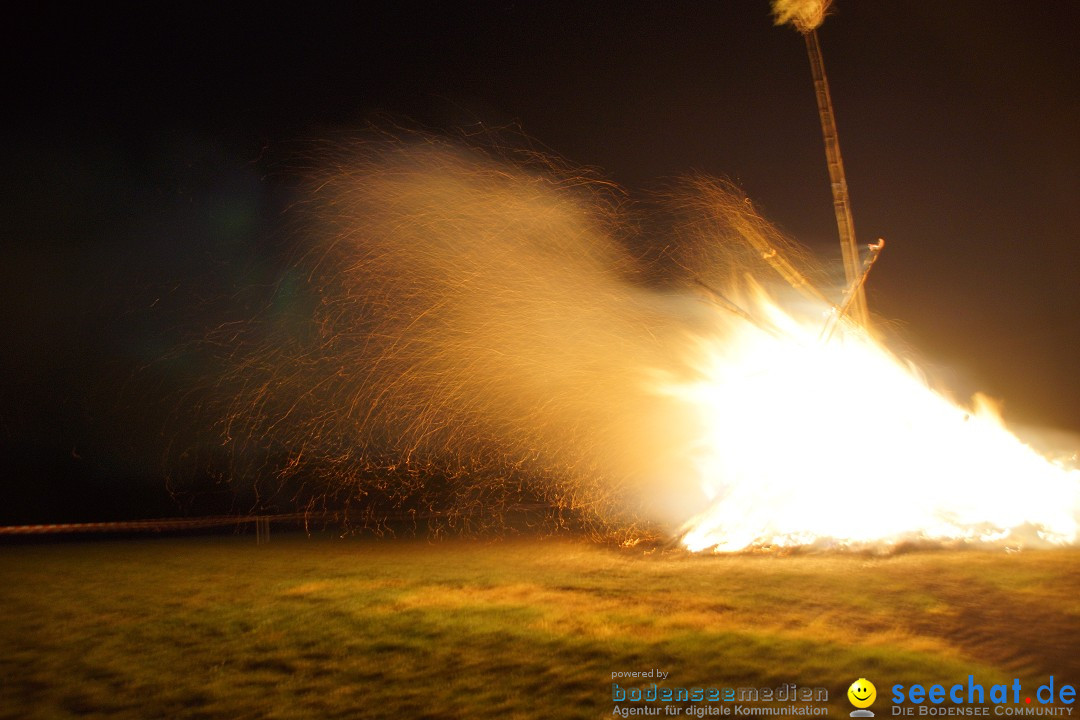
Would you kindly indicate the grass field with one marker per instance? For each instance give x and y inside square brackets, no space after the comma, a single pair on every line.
[310,628]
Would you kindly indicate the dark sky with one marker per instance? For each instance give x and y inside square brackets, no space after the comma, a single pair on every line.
[144,154]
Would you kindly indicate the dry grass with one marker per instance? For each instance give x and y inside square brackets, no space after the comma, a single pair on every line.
[211,628]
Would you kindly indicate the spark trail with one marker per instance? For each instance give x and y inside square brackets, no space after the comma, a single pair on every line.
[480,338]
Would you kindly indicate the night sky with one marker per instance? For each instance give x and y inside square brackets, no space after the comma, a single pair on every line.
[148,168]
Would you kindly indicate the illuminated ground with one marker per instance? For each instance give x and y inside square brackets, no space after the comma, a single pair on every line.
[316,628]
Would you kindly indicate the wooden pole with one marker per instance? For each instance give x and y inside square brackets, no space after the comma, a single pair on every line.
[849,248]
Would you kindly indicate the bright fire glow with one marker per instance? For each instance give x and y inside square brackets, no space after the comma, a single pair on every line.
[487,338]
[841,443]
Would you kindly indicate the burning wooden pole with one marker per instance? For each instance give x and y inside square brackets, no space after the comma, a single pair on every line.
[806,15]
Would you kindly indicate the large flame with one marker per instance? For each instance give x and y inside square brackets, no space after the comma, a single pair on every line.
[807,439]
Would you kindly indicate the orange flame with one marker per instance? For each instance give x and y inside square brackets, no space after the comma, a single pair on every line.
[841,443]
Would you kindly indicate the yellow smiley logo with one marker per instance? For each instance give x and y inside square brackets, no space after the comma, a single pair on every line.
[862,693]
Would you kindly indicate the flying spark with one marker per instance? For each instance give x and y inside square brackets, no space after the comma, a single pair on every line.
[473,337]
